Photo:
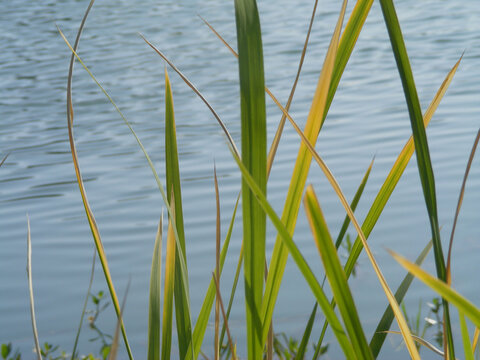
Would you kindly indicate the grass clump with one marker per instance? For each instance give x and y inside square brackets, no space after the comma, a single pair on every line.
[262,276]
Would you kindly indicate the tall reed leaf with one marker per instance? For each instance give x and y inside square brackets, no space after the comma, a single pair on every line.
[254,157]
[335,275]
[91,219]
[182,313]
[421,149]
[302,265]
[299,177]
[467,345]
[154,297]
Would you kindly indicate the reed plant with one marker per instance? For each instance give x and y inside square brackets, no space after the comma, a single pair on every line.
[262,276]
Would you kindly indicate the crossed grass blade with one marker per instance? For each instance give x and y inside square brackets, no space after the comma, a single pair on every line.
[254,157]
[303,266]
[335,275]
[153,347]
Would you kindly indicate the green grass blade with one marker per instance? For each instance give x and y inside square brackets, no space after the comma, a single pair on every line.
[461,303]
[254,156]
[353,205]
[385,322]
[467,345]
[335,275]
[302,348]
[202,319]
[421,149]
[153,352]
[300,262]
[182,313]
[299,178]
[169,291]
[217,267]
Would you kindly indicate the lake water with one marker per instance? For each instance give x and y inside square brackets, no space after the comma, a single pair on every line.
[368,118]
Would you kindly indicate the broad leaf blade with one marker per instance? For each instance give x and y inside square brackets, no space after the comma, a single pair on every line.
[254,157]
[182,313]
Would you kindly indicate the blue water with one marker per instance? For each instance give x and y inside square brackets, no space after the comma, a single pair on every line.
[368,118]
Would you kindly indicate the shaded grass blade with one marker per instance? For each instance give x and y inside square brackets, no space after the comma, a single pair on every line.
[422,152]
[154,305]
[169,288]
[301,263]
[85,303]
[202,319]
[302,348]
[335,275]
[385,322]
[459,205]
[88,211]
[299,177]
[112,355]
[254,157]
[30,291]
[172,171]
[443,289]
[467,346]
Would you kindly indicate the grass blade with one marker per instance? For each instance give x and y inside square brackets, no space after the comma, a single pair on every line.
[196,91]
[335,275]
[443,289]
[172,171]
[301,263]
[421,149]
[353,205]
[254,157]
[91,219]
[3,160]
[459,205]
[154,297]
[85,303]
[467,346]
[225,319]
[385,322]
[30,291]
[169,289]
[112,355]
[299,177]
[476,334]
